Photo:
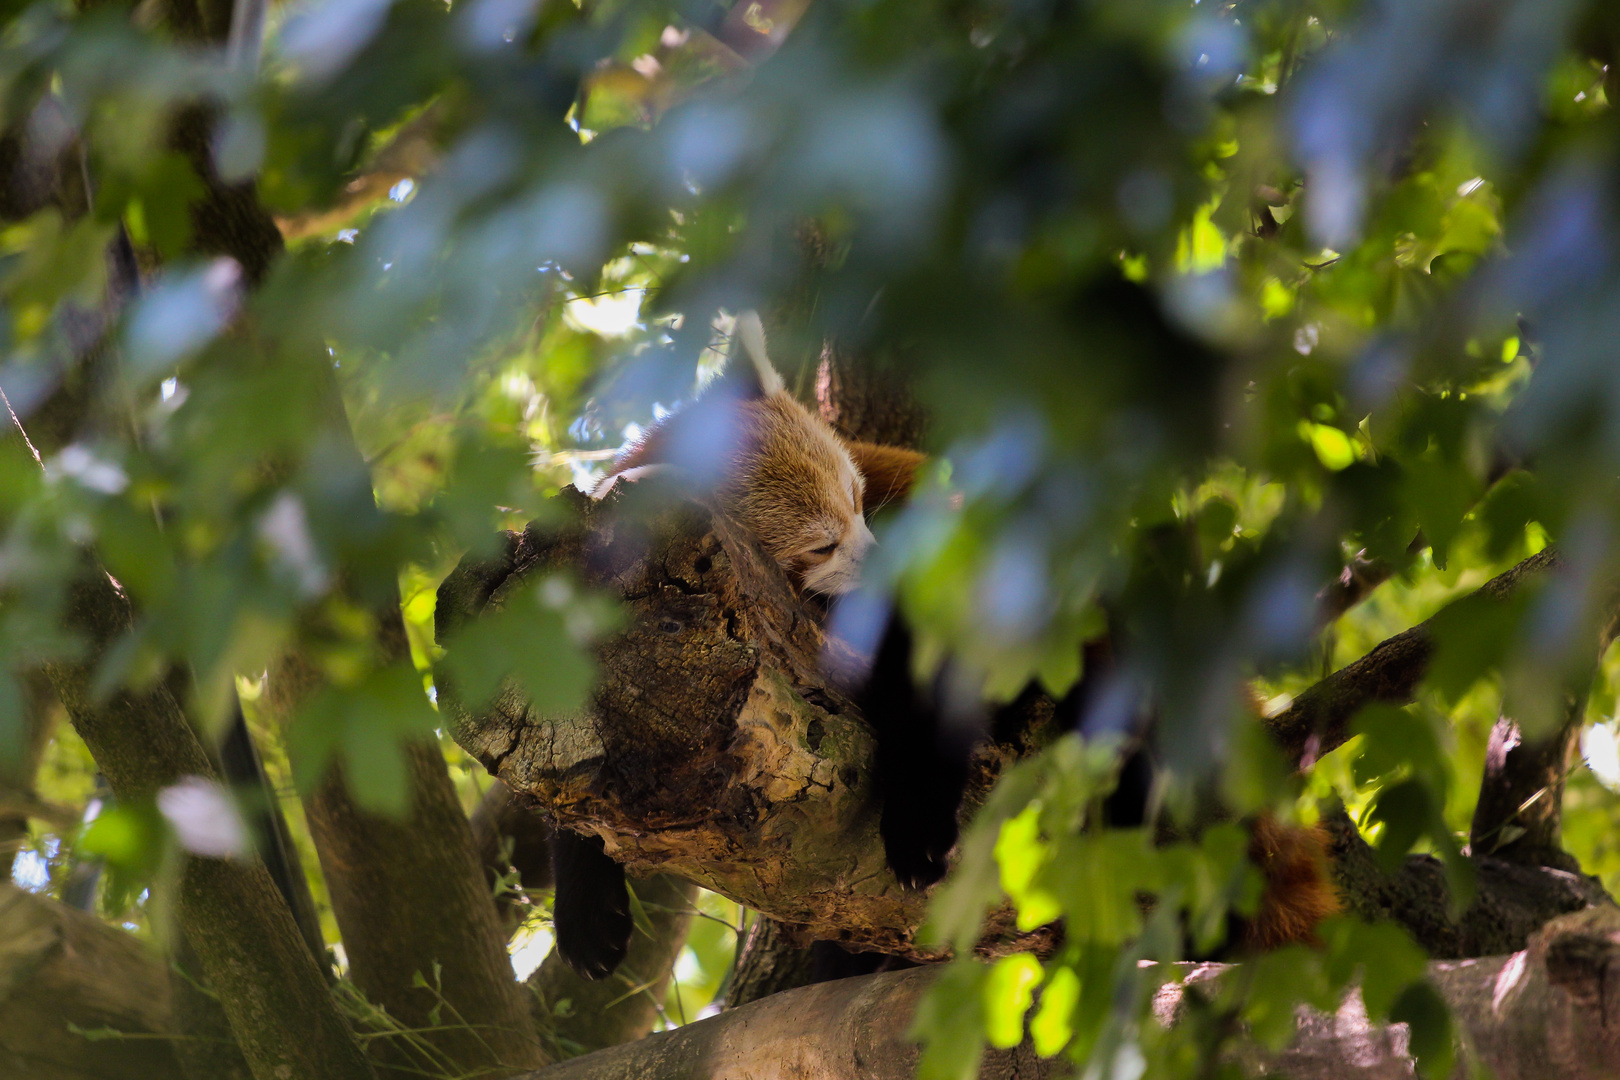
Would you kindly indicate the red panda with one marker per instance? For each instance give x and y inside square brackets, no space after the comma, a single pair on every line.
[788,477]
[782,471]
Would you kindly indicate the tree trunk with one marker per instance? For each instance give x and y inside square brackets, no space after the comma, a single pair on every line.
[420,929]
[1521,798]
[771,961]
[421,933]
[243,933]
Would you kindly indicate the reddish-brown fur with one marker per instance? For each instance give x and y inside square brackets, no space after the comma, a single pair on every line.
[890,471]
[780,470]
[1298,893]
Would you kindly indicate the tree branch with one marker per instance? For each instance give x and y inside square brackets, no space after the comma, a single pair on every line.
[852,1028]
[1521,794]
[771,961]
[625,1007]
[62,969]
[1319,719]
[1539,1012]
[410,899]
[714,747]
[1511,900]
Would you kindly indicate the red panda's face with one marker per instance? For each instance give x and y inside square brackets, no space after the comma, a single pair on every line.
[798,490]
[777,468]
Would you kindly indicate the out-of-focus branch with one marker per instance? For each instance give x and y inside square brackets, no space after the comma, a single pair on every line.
[1318,720]
[62,969]
[18,764]
[412,153]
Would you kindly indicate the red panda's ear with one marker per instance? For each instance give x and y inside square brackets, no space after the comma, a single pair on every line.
[890,471]
[748,369]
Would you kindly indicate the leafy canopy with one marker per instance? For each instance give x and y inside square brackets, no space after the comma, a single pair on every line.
[1203,299]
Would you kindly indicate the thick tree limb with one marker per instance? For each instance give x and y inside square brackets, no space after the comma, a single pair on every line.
[852,1028]
[714,747]
[62,969]
[1319,719]
[1536,1013]
[1539,1012]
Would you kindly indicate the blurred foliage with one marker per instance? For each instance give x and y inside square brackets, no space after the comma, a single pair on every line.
[1204,299]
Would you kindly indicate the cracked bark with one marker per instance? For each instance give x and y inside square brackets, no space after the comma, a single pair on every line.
[718,751]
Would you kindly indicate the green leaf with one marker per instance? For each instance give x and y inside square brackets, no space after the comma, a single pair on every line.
[540,638]
[1020,852]
[1008,993]
[950,1022]
[1428,1019]
[1050,1030]
[1381,955]
[365,728]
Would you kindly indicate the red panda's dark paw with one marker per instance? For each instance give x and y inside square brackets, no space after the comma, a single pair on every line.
[917,844]
[591,908]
